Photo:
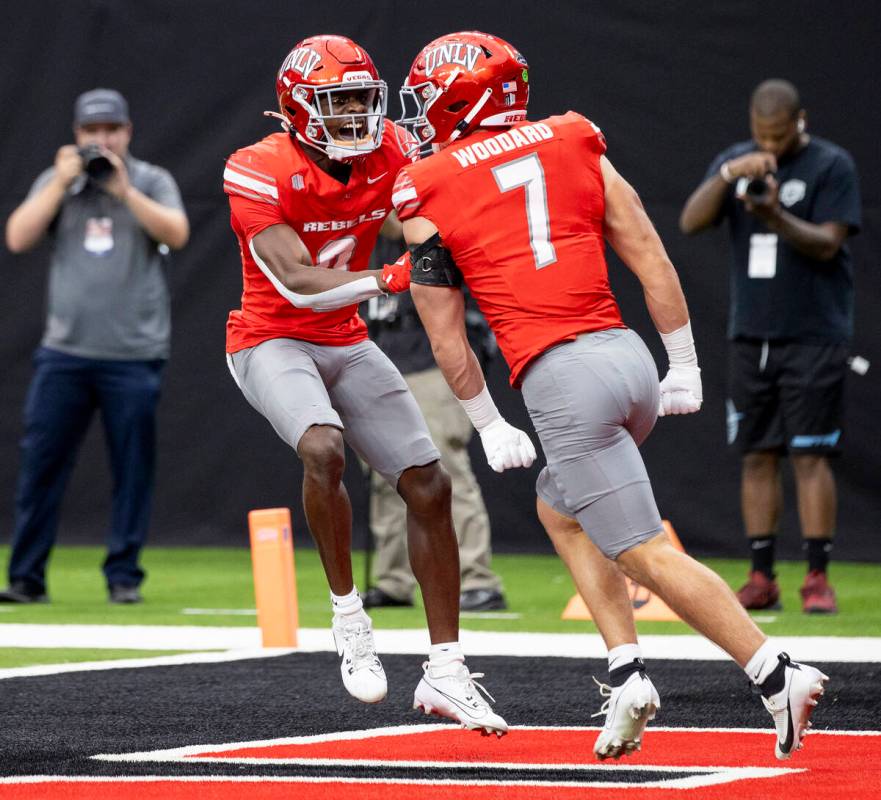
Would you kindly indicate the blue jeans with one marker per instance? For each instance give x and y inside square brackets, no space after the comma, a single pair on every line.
[63,395]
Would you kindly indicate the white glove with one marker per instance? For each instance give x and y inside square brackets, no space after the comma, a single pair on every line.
[506,446]
[681,391]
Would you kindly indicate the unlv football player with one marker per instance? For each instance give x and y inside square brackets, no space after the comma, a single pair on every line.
[529,243]
[306,206]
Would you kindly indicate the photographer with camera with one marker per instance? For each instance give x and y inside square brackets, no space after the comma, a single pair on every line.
[111,219]
[791,200]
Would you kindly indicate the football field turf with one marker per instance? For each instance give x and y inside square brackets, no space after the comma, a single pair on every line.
[268,725]
[214,587]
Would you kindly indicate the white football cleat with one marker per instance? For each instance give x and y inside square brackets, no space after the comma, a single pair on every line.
[792,706]
[451,691]
[363,675]
[628,709]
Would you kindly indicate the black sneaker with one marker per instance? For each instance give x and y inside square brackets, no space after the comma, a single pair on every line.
[482,600]
[20,592]
[375,597]
[125,594]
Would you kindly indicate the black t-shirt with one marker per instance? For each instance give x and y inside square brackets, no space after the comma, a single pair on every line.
[791,296]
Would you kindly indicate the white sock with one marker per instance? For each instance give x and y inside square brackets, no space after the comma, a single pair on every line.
[346,603]
[445,654]
[624,654]
[763,662]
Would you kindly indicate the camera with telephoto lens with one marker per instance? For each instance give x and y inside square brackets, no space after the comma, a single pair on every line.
[757,190]
[95,164]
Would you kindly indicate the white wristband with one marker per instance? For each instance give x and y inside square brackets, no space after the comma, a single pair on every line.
[481,410]
[725,172]
[679,345]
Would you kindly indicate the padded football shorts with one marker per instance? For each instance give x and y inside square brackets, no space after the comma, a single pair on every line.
[593,401]
[355,388]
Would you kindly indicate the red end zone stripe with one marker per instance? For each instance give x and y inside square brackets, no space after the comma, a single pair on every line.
[835,766]
[536,746]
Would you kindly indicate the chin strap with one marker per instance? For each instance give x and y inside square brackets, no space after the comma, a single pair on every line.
[286,126]
[466,120]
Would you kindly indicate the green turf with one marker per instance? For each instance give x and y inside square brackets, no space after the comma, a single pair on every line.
[30,656]
[537,589]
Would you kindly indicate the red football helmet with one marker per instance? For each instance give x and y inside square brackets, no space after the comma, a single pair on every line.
[315,85]
[459,82]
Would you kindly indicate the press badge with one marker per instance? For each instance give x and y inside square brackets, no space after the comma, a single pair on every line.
[99,235]
[762,255]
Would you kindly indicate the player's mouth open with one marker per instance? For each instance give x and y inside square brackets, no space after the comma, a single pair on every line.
[351,131]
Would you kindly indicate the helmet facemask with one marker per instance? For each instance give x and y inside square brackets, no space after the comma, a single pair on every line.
[417,102]
[413,130]
[342,136]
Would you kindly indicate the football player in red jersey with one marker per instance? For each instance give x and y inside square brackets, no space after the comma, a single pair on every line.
[529,243]
[306,206]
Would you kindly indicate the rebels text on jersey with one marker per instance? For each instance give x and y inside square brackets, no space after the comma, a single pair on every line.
[529,240]
[274,182]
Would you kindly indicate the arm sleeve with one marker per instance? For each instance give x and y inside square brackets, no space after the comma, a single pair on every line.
[838,197]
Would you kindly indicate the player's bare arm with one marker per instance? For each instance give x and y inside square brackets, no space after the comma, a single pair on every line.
[442,311]
[392,228]
[634,238]
[284,259]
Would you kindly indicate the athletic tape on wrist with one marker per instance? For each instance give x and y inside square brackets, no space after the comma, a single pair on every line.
[679,345]
[481,409]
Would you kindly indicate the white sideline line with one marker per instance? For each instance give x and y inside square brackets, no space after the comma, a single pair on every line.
[136,663]
[415,642]
[219,612]
[245,643]
[188,751]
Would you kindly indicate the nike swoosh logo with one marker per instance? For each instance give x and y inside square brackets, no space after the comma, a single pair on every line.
[378,177]
[467,709]
[790,730]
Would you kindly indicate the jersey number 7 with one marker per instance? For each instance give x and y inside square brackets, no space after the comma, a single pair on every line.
[528,172]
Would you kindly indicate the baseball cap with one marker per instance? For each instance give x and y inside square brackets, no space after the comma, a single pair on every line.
[100,105]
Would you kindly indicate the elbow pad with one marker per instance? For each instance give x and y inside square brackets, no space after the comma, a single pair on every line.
[433,265]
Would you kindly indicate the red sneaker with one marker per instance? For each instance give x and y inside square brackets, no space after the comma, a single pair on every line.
[817,596]
[759,592]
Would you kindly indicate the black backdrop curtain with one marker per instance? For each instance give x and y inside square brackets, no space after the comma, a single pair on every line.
[668,83]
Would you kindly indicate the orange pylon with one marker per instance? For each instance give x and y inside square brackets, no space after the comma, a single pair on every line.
[275,582]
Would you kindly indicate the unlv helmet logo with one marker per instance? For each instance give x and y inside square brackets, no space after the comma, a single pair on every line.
[302,60]
[452,53]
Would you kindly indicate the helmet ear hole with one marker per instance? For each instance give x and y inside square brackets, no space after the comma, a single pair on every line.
[457,106]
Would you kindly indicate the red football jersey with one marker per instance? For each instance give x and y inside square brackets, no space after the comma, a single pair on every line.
[522,212]
[274,182]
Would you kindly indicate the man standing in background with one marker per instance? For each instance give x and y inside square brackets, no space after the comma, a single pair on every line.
[400,335]
[791,200]
[111,218]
